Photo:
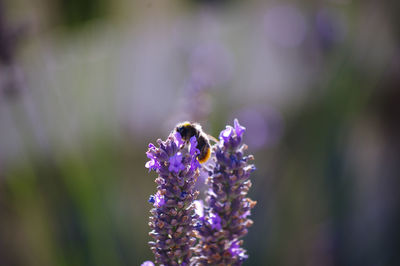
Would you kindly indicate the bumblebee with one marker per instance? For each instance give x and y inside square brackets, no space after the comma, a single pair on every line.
[188,130]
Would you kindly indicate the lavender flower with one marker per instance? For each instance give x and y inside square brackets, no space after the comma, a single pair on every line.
[173,217]
[225,215]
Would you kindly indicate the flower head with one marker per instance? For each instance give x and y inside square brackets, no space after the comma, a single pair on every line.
[173,217]
[227,208]
[231,137]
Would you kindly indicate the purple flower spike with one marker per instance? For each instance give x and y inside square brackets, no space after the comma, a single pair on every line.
[177,218]
[226,209]
[173,218]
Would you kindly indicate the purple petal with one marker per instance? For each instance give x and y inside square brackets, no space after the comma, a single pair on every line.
[226,134]
[244,215]
[193,146]
[153,163]
[215,221]
[151,146]
[194,164]
[159,200]
[175,163]
[178,139]
[235,250]
[238,128]
[151,199]
[150,165]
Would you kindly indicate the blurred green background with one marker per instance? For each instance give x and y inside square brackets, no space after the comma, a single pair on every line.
[85,85]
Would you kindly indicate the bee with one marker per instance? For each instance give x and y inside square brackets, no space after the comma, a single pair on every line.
[188,130]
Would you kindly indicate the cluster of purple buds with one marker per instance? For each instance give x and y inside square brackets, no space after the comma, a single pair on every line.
[184,231]
[223,222]
[173,216]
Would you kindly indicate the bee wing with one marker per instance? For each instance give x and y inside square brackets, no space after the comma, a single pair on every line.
[212,138]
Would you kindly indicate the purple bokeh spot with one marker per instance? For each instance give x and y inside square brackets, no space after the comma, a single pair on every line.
[264,126]
[331,27]
[210,64]
[285,25]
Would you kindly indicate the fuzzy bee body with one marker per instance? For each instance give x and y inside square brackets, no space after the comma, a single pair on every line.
[188,130]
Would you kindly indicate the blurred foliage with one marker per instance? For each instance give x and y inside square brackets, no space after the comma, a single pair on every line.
[75,13]
[68,203]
